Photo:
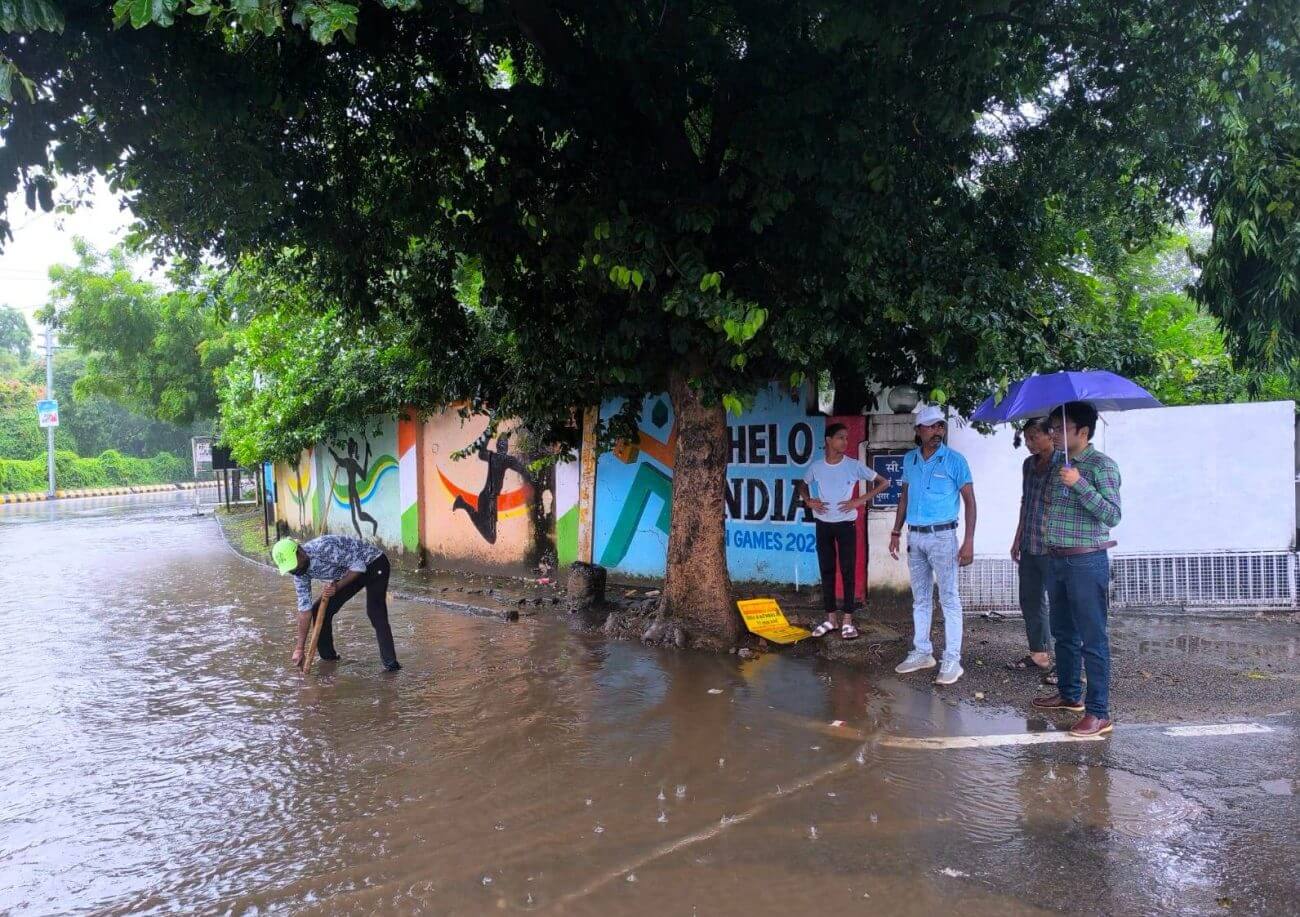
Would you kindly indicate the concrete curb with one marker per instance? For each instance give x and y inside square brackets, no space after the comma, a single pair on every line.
[104,492]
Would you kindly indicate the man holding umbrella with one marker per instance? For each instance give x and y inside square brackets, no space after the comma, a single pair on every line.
[1082,505]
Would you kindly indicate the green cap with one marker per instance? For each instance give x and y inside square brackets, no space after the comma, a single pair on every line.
[285,554]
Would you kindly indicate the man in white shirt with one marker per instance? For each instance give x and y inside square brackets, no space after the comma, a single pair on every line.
[827,489]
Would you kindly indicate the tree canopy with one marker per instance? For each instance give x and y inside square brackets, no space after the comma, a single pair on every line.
[155,351]
[15,334]
[758,188]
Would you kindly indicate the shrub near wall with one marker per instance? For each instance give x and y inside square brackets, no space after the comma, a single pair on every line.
[110,469]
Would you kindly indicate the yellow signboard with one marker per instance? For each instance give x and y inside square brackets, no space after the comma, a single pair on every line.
[764,617]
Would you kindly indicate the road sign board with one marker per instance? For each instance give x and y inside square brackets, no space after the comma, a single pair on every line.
[890,465]
[47,412]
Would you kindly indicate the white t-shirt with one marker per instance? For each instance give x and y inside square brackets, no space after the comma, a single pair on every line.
[834,484]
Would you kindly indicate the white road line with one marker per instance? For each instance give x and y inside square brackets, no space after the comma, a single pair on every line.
[940,743]
[1018,738]
[1223,729]
[762,803]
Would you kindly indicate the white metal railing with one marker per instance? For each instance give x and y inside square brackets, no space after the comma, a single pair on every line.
[1237,579]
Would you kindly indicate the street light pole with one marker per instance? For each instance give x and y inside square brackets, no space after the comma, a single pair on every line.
[49,395]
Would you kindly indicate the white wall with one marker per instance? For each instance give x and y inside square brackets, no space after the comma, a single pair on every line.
[1195,479]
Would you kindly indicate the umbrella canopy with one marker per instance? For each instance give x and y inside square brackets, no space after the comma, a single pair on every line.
[1038,396]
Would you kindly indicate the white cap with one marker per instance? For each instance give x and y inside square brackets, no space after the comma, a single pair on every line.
[929,415]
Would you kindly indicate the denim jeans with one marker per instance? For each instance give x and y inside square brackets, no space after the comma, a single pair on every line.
[1079,590]
[931,557]
[1033,601]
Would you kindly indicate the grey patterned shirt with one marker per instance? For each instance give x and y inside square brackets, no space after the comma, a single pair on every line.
[331,557]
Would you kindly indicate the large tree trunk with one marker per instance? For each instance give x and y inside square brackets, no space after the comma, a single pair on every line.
[697,589]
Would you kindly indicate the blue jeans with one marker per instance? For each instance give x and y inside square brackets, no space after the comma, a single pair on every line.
[1033,601]
[931,557]
[1079,591]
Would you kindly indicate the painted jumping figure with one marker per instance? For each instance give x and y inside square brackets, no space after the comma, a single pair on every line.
[484,514]
[357,470]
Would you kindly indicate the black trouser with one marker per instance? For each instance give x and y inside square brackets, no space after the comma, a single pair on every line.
[841,537]
[375,582]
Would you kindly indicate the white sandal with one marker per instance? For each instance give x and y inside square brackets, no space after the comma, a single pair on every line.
[849,632]
[824,628]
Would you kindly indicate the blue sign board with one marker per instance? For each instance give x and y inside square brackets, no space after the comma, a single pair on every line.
[47,413]
[889,464]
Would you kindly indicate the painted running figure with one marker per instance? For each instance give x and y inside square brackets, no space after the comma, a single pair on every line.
[484,515]
[356,469]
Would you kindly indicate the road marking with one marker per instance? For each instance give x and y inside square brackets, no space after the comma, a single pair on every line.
[762,803]
[1018,738]
[1222,729]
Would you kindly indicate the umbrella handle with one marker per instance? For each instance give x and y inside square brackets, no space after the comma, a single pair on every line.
[1065,442]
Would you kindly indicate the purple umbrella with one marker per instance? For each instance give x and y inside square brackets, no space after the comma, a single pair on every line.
[1038,396]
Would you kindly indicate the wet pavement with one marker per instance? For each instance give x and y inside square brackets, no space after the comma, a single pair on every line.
[160,754]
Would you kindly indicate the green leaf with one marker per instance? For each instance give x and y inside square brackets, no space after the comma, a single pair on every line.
[141,13]
[938,396]
[637,279]
[733,405]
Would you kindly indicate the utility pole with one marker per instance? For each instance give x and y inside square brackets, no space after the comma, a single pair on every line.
[49,396]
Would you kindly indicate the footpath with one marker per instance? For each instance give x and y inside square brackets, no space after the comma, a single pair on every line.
[1165,668]
[38,497]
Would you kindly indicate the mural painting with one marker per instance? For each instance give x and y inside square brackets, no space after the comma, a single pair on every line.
[361,477]
[295,492]
[567,480]
[408,474]
[769,538]
[479,507]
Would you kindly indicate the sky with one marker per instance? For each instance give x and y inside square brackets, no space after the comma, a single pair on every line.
[42,239]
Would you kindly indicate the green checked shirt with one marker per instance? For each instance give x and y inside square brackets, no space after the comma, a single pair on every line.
[1081,516]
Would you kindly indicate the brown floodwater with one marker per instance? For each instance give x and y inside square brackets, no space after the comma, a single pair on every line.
[160,754]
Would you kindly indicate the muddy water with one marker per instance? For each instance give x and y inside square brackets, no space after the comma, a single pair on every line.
[159,754]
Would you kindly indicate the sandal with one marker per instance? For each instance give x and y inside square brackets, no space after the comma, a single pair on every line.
[824,628]
[849,632]
[1050,678]
[1025,663]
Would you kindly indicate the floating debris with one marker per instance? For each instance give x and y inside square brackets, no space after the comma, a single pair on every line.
[663,817]
[954,873]
[681,791]
[812,832]
[715,690]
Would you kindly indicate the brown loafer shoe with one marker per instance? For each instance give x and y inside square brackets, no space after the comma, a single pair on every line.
[1056,702]
[1091,726]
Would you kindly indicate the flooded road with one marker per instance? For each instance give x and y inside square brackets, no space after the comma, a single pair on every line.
[159,754]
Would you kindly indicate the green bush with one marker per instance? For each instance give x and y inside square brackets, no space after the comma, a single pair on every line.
[168,467]
[21,476]
[110,469]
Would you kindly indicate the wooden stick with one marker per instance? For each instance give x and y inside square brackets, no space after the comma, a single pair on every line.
[318,620]
[309,652]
